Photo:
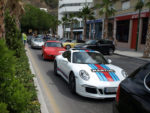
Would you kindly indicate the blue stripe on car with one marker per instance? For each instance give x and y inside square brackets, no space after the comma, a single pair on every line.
[99,76]
[113,74]
[103,76]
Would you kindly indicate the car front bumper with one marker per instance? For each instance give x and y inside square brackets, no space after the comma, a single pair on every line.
[97,92]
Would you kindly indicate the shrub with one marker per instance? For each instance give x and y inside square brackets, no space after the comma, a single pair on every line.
[3,108]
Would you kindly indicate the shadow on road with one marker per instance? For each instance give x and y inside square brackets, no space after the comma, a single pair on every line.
[63,88]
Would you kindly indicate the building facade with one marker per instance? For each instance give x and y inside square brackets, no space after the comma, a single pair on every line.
[123,26]
[67,7]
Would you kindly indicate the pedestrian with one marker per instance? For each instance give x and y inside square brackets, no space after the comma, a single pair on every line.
[24,37]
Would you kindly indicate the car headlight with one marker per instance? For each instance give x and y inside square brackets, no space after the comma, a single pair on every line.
[84,75]
[124,73]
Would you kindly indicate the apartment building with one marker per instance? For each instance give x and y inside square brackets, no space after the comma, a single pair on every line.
[67,7]
[124,24]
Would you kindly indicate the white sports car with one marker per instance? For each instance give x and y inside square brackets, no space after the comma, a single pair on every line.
[88,73]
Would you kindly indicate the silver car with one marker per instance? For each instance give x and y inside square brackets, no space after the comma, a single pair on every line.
[37,43]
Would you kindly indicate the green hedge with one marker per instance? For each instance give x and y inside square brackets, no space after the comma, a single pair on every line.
[17,90]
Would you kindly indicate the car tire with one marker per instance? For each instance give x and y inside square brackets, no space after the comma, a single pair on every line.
[55,68]
[111,51]
[72,83]
[68,47]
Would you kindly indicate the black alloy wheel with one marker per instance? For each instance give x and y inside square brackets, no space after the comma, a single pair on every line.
[68,47]
[72,83]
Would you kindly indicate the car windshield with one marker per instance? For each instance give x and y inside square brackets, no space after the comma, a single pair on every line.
[73,41]
[90,42]
[88,58]
[38,40]
[53,44]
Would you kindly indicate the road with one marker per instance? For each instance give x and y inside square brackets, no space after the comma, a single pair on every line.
[56,92]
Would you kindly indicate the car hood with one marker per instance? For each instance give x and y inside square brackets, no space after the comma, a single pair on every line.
[107,73]
[54,50]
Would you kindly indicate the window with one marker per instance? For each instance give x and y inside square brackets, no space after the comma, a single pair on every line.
[67,55]
[122,34]
[125,5]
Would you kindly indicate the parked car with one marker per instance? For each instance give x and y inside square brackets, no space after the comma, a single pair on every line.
[72,43]
[133,95]
[37,43]
[104,46]
[88,73]
[51,49]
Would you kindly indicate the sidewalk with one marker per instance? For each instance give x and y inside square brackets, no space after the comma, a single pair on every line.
[131,53]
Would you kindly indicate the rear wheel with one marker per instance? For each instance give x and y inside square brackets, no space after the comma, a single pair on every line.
[55,68]
[72,83]
[68,47]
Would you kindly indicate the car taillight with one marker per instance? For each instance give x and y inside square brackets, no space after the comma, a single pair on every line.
[118,94]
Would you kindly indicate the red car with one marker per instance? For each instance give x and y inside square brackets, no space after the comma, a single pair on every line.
[51,49]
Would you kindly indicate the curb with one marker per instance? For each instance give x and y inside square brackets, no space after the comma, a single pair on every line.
[40,95]
[132,57]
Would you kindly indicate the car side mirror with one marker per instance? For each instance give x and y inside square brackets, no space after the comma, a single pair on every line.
[109,61]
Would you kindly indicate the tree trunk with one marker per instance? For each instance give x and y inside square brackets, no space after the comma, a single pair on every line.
[105,34]
[147,45]
[63,30]
[2,25]
[84,32]
[89,31]
[71,30]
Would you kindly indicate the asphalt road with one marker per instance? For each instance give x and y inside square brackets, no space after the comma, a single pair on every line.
[56,92]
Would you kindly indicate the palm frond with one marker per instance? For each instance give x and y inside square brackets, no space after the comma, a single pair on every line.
[139,5]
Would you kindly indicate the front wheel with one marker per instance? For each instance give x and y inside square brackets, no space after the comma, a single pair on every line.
[72,83]
[68,47]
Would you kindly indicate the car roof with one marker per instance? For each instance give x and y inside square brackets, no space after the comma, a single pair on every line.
[82,50]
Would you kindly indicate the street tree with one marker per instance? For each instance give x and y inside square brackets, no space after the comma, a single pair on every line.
[64,21]
[15,8]
[72,20]
[139,6]
[54,22]
[86,13]
[106,9]
[147,45]
[36,19]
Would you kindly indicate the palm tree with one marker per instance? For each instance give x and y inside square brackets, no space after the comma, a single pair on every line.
[139,6]
[106,9]
[147,45]
[72,20]
[2,25]
[16,9]
[86,14]
[64,21]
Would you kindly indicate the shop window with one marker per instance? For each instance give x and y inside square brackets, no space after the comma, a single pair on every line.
[98,30]
[144,30]
[125,5]
[122,34]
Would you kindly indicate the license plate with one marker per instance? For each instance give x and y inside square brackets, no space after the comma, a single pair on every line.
[111,90]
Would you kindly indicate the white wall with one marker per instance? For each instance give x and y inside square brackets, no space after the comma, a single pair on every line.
[69,9]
